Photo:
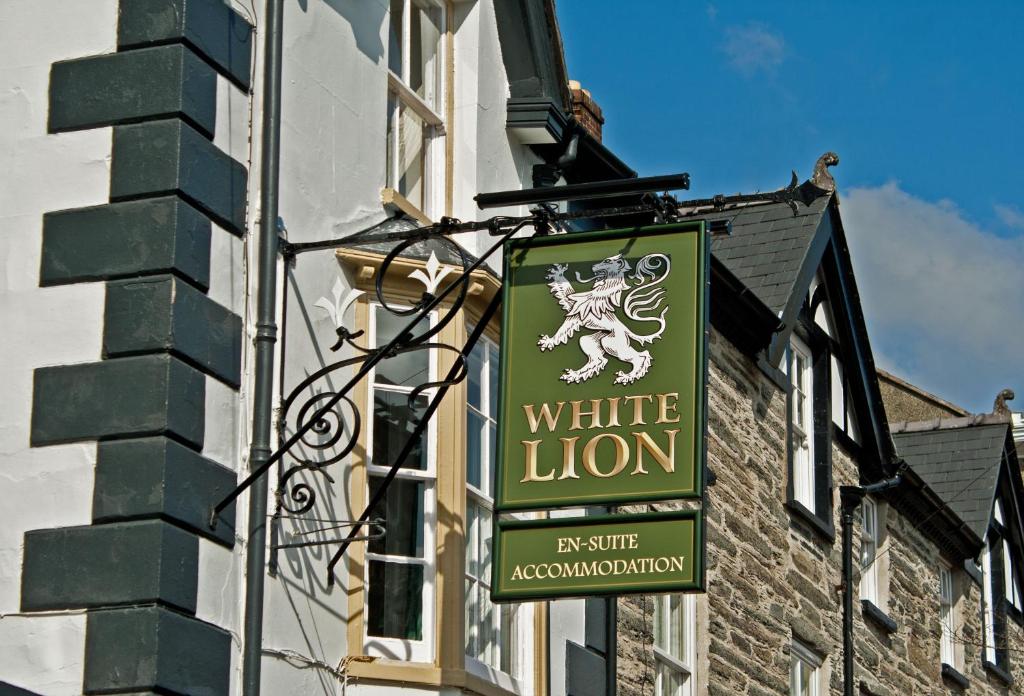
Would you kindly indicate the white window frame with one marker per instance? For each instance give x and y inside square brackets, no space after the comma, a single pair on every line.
[431,114]
[395,648]
[870,544]
[802,423]
[947,616]
[800,654]
[679,663]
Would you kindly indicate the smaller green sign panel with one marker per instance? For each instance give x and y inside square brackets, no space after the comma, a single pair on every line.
[609,554]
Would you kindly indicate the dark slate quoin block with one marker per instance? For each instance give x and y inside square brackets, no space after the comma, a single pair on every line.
[162,313]
[162,157]
[212,28]
[157,477]
[155,235]
[150,83]
[125,397]
[121,563]
[151,648]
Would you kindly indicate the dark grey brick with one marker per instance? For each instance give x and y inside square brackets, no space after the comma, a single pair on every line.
[212,28]
[163,313]
[162,157]
[151,83]
[157,477]
[121,563]
[152,648]
[126,397]
[156,235]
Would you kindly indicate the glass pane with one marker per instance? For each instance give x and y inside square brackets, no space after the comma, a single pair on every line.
[474,446]
[492,438]
[393,423]
[806,679]
[472,539]
[492,381]
[472,620]
[411,156]
[395,37]
[395,604]
[402,512]
[406,369]
[485,546]
[424,51]
[507,640]
[475,365]
[487,637]
[660,637]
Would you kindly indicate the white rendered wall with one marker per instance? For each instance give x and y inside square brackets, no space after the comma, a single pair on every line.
[333,170]
[48,486]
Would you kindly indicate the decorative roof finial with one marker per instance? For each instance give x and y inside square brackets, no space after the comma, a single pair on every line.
[821,177]
[1000,408]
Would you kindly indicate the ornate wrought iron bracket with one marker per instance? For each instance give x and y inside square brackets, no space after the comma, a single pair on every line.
[324,427]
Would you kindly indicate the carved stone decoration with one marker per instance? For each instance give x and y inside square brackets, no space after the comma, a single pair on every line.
[821,176]
[1000,408]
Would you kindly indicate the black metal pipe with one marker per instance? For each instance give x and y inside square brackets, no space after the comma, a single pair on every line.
[586,191]
[266,336]
[847,522]
[850,498]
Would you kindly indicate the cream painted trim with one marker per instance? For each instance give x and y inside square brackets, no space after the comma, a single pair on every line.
[391,197]
[540,648]
[381,670]
[357,501]
[415,102]
[364,266]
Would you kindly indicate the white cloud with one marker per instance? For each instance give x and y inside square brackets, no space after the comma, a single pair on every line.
[944,299]
[753,48]
[1010,215]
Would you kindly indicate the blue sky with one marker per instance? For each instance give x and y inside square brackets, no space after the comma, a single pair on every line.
[923,102]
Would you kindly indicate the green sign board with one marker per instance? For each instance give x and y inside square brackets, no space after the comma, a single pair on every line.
[652,552]
[603,368]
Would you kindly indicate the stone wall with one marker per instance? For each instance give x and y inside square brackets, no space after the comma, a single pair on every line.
[772,576]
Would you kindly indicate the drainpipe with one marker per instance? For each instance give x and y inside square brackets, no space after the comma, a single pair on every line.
[850,498]
[266,336]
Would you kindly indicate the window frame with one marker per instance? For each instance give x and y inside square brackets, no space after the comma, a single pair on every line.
[801,435]
[401,95]
[801,654]
[423,650]
[871,536]
[685,663]
[947,616]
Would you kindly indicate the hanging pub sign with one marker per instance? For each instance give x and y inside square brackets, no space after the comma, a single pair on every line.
[603,372]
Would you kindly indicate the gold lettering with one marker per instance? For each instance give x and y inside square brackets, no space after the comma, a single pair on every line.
[613,411]
[665,461]
[638,408]
[633,543]
[590,458]
[545,413]
[517,574]
[664,407]
[594,414]
[569,457]
[531,463]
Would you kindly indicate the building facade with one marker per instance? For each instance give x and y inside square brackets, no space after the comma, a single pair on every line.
[132,216]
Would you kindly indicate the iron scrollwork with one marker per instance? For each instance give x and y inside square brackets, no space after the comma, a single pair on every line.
[327,422]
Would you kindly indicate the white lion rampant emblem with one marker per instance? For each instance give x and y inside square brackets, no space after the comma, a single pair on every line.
[594,310]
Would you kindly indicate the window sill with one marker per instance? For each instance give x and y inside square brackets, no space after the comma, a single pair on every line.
[998,672]
[952,674]
[879,617]
[425,675]
[825,529]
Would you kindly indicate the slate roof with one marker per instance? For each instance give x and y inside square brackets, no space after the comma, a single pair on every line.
[959,459]
[767,246]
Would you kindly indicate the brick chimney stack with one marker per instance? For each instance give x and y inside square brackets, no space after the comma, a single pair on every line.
[586,110]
